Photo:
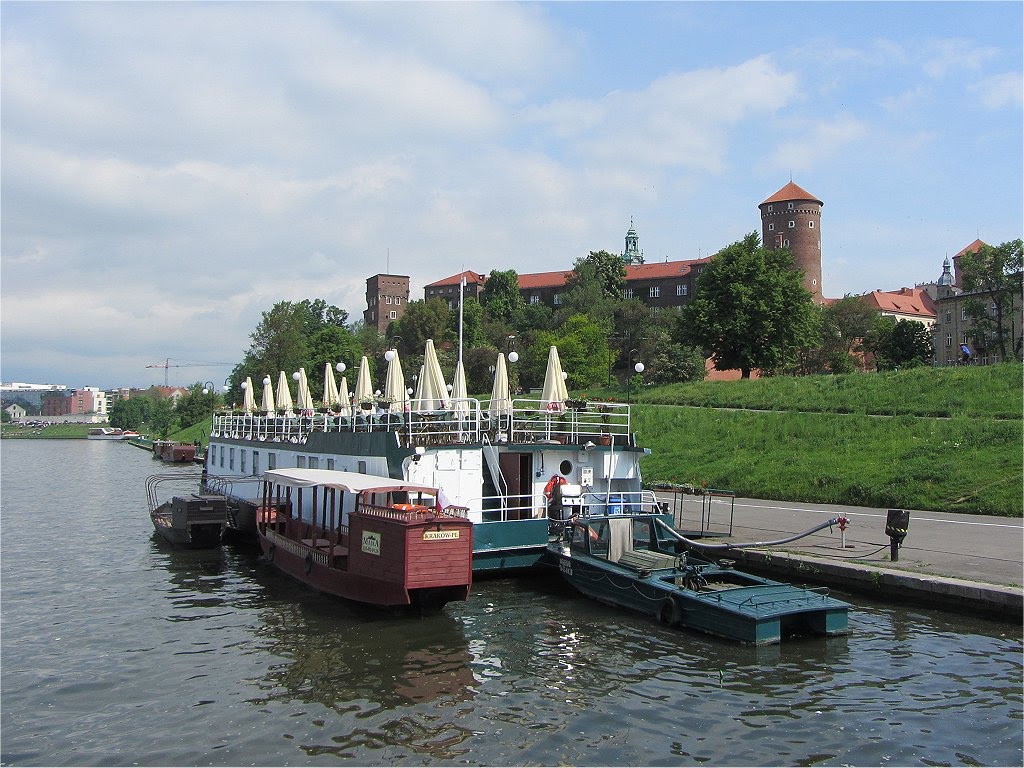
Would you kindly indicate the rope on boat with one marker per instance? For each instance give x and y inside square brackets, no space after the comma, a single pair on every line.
[744,545]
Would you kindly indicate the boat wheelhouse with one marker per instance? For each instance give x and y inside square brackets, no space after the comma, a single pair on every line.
[366,538]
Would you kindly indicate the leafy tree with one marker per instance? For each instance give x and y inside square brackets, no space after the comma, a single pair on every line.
[162,417]
[279,342]
[898,344]
[843,325]
[194,407]
[472,324]
[501,298]
[331,344]
[130,413]
[750,309]
[605,268]
[582,349]
[994,275]
[422,320]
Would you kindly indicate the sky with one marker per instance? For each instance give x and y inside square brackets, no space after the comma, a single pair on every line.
[170,171]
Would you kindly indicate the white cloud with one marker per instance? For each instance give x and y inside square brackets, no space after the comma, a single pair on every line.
[817,142]
[940,57]
[999,91]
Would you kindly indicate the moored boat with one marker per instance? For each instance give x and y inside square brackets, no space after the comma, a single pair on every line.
[106,433]
[175,453]
[196,521]
[366,538]
[638,562]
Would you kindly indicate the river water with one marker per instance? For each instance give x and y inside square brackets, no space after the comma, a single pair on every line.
[119,650]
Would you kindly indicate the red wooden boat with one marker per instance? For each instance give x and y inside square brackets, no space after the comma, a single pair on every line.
[366,538]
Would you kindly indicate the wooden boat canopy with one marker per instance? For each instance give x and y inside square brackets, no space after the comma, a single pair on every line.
[353,482]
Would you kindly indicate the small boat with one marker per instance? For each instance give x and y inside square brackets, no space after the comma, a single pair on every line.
[196,521]
[639,562]
[106,433]
[367,538]
[176,453]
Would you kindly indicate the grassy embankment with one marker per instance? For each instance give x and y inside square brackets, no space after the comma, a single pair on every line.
[930,439]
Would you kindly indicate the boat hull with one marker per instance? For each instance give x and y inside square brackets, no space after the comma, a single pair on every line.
[195,522]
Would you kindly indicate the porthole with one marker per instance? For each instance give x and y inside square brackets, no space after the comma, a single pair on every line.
[565,467]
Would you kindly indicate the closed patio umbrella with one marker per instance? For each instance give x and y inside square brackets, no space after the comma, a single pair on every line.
[501,397]
[459,394]
[431,389]
[343,398]
[268,396]
[284,396]
[554,393]
[248,396]
[364,387]
[331,400]
[394,384]
[303,399]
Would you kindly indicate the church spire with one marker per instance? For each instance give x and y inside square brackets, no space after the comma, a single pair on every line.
[632,254]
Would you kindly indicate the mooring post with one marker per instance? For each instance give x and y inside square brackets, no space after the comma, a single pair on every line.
[896,524]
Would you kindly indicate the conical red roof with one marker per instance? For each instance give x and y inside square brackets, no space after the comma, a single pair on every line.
[792,192]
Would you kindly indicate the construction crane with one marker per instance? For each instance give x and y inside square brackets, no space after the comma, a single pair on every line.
[167,365]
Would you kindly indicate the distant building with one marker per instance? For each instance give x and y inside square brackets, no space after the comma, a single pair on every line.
[954,328]
[386,298]
[448,288]
[791,218]
[904,304]
[632,254]
[16,411]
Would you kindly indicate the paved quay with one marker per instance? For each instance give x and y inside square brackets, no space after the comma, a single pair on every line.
[955,561]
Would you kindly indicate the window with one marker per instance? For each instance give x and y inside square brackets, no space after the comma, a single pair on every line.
[963,313]
[627,293]
[392,315]
[222,456]
[949,316]
[965,339]
[242,465]
[792,223]
[558,299]
[361,467]
[681,289]
[271,461]
[785,243]
[769,207]
[256,462]
[535,298]
[330,463]
[810,225]
[300,462]
[398,300]
[231,459]
[655,291]
[789,206]
[771,227]
[387,299]
[314,462]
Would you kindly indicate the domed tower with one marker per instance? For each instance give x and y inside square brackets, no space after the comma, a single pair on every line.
[632,254]
[791,218]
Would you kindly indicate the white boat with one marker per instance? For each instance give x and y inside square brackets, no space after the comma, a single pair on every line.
[107,433]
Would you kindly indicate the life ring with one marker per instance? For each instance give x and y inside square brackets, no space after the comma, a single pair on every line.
[549,489]
[669,613]
[309,563]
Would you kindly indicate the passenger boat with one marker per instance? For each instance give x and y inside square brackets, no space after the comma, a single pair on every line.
[366,538]
[639,562]
[106,433]
[501,458]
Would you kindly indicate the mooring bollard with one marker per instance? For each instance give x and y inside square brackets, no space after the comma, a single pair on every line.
[896,524]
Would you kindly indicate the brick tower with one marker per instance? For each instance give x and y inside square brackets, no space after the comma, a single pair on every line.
[791,218]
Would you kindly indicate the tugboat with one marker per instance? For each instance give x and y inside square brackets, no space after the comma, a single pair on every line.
[371,539]
[639,562]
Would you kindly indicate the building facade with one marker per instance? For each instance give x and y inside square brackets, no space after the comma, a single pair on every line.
[954,329]
[386,298]
[791,218]
[448,288]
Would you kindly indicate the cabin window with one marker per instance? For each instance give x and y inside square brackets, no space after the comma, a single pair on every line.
[222,456]
[361,467]
[255,462]
[565,467]
[242,462]
[231,459]
[314,462]
[271,461]
[330,463]
[300,462]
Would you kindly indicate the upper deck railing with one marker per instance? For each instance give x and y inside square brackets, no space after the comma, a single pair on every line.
[464,421]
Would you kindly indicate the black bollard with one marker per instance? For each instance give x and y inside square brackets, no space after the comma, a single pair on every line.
[896,524]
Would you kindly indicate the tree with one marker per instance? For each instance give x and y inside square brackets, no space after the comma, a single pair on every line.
[130,413]
[422,320]
[162,417]
[472,324]
[279,342]
[843,325]
[605,268]
[898,344]
[501,299]
[194,407]
[582,349]
[750,309]
[994,275]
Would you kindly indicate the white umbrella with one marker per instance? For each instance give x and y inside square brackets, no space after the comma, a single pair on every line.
[394,383]
[248,396]
[303,399]
[554,394]
[431,390]
[364,388]
[268,396]
[501,396]
[343,398]
[459,393]
[330,389]
[284,396]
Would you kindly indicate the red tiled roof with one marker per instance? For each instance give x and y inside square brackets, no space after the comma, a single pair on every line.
[905,301]
[661,269]
[972,248]
[471,277]
[544,279]
[792,192]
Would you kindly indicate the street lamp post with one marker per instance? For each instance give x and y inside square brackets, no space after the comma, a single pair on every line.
[639,368]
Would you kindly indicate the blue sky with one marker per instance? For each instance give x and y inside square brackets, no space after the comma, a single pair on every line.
[172,170]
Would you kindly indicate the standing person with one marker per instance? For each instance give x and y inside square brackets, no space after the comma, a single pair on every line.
[966,352]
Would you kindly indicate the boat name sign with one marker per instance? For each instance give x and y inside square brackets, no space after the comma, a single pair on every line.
[440,535]
[371,543]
